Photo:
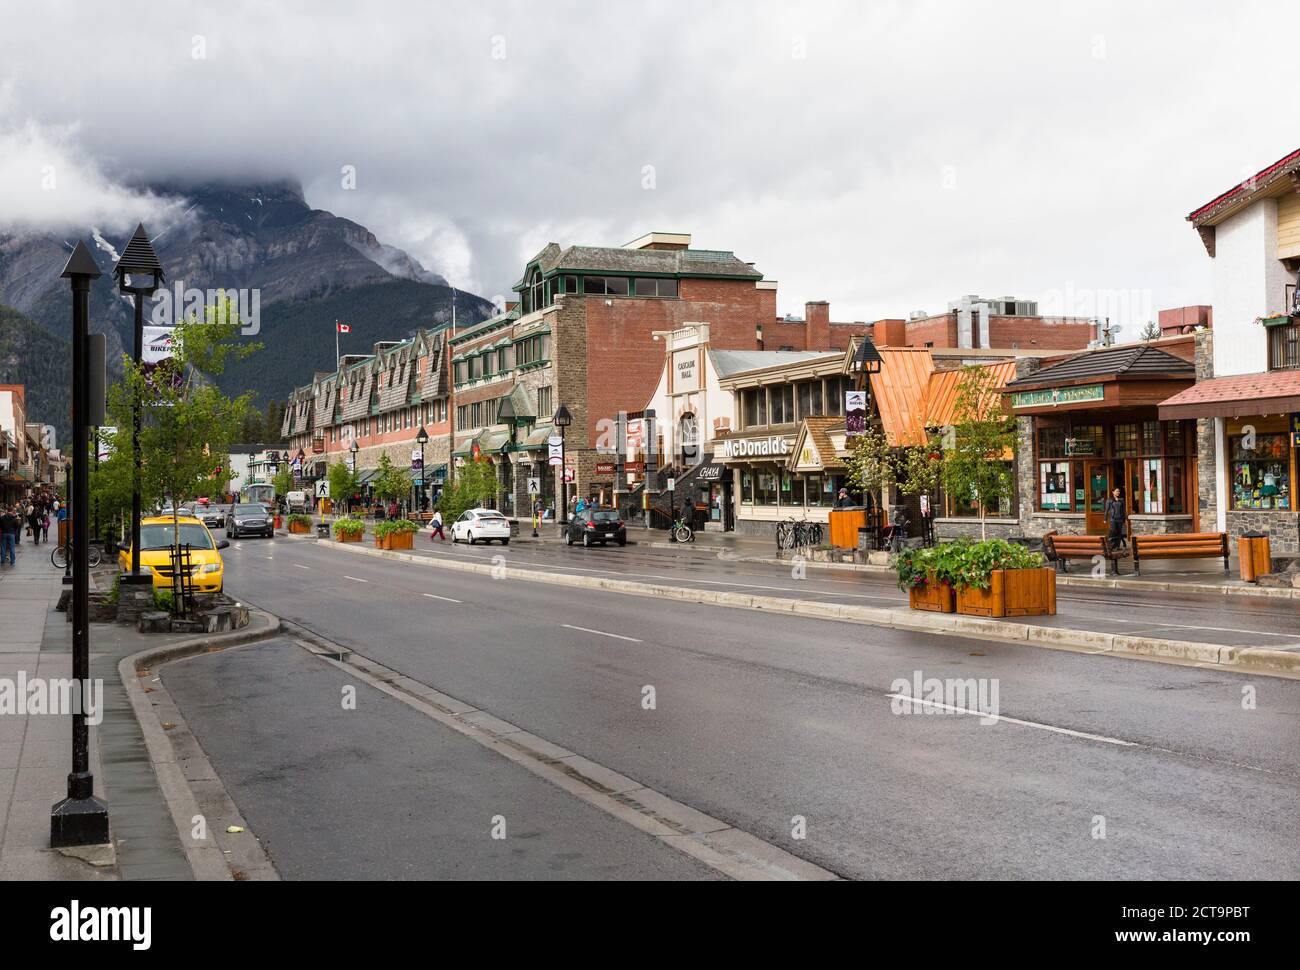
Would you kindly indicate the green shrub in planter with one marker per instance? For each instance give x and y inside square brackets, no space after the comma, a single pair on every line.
[348,525]
[963,562]
[389,526]
[299,519]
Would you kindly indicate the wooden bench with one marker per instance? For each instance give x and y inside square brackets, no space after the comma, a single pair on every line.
[1186,545]
[1059,549]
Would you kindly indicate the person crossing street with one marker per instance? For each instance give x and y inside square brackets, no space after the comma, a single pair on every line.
[435,526]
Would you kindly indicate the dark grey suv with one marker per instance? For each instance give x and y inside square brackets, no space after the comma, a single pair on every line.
[249,520]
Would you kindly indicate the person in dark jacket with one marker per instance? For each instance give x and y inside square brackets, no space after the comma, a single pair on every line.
[10,526]
[1115,516]
[34,521]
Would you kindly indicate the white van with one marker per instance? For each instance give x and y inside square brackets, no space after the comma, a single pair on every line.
[298,502]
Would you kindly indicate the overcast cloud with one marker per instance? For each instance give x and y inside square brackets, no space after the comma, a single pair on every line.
[887,157]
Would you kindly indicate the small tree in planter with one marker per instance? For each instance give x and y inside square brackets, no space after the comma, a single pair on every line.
[390,484]
[395,534]
[982,435]
[343,483]
[349,530]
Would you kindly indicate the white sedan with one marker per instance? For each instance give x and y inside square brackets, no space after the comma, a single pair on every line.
[484,524]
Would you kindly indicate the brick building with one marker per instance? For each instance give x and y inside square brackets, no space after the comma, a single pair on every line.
[975,322]
[583,334]
[380,401]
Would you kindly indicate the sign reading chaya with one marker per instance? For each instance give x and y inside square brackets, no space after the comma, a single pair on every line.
[772,446]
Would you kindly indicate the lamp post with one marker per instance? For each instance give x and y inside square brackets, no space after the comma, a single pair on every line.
[81,818]
[139,258]
[422,438]
[562,420]
[352,452]
[866,360]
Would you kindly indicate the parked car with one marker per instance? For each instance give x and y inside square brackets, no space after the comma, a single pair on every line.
[596,525]
[484,524]
[250,519]
[157,536]
[213,516]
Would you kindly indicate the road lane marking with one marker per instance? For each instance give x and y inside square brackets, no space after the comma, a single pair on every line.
[301,566]
[435,596]
[1012,720]
[600,633]
[355,580]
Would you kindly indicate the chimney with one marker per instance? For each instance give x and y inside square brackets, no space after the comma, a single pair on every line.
[817,325]
[890,333]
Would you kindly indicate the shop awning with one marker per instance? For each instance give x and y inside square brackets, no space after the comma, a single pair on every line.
[1242,395]
[367,475]
[711,472]
[438,473]
[537,438]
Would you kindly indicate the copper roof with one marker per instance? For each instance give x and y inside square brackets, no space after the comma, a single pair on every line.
[1274,392]
[941,393]
[899,393]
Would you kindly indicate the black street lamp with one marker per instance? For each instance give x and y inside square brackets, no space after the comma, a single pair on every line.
[422,439]
[867,359]
[81,818]
[562,420]
[138,258]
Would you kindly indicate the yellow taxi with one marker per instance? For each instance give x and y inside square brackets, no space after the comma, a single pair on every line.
[158,535]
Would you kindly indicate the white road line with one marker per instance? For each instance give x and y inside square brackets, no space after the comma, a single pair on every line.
[1192,626]
[435,596]
[1013,720]
[355,580]
[600,633]
[301,566]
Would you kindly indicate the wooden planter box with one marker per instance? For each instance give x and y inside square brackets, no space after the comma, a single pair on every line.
[396,540]
[348,536]
[933,597]
[299,528]
[1012,592]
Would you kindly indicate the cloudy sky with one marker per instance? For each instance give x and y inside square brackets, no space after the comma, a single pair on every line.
[885,156]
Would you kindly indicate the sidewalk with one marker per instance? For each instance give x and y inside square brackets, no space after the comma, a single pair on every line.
[36,749]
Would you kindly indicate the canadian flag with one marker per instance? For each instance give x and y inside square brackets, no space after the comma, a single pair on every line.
[343,328]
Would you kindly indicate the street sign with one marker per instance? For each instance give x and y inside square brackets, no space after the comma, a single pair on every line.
[534,486]
[568,474]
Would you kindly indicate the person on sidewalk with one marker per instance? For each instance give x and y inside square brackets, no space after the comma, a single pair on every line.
[435,526]
[34,521]
[45,526]
[10,526]
[1115,516]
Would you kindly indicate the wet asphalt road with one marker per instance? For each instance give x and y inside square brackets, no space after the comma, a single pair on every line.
[760,718]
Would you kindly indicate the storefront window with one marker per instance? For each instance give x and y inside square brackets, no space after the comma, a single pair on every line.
[1126,440]
[1051,442]
[1175,487]
[746,487]
[765,492]
[1054,486]
[792,489]
[815,485]
[1151,438]
[1261,476]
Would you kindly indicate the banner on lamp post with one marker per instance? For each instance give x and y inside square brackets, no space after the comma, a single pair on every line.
[855,413]
[556,449]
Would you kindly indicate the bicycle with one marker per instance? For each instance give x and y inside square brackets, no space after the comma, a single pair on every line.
[59,557]
[681,532]
[798,535]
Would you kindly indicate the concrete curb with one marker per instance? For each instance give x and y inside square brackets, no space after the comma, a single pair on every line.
[1258,660]
[214,858]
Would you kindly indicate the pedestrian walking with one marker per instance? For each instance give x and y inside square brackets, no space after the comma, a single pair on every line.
[435,526]
[34,523]
[10,526]
[45,526]
[1115,516]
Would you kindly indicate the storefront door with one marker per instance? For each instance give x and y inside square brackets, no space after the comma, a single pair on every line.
[1097,478]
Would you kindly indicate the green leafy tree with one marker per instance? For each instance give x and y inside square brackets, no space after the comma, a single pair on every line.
[983,435]
[343,483]
[474,485]
[187,423]
[918,469]
[390,484]
[872,464]
[283,481]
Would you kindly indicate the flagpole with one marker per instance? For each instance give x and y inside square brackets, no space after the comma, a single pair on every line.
[337,359]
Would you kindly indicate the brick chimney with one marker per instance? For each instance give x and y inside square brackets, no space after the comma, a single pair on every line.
[889,333]
[817,325]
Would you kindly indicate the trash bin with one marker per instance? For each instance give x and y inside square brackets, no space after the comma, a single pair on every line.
[322,530]
[1254,556]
